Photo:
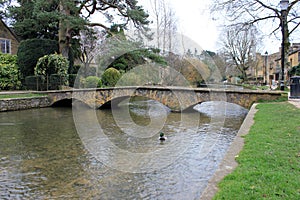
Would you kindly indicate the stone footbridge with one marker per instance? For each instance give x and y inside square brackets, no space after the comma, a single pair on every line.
[176,98]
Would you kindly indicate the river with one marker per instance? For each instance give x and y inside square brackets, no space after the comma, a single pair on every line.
[52,153]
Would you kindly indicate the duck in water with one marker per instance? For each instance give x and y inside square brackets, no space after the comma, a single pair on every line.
[162,136]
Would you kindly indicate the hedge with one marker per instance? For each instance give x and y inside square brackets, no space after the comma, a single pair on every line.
[31,50]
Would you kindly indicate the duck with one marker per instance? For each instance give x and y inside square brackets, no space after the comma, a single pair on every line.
[162,136]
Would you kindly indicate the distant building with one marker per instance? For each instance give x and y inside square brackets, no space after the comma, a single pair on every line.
[9,42]
[294,55]
[293,60]
[255,73]
[273,67]
[267,69]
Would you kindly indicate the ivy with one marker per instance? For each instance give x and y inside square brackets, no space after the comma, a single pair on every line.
[52,64]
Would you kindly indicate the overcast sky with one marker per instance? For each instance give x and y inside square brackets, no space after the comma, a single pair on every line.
[194,21]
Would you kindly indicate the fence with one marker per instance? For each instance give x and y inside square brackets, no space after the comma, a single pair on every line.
[50,82]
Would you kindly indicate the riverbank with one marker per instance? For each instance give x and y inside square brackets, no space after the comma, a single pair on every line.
[23,103]
[22,100]
[268,165]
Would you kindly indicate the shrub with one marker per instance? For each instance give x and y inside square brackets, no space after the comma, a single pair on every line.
[110,77]
[31,50]
[93,82]
[52,64]
[9,72]
[130,79]
[8,59]
[295,71]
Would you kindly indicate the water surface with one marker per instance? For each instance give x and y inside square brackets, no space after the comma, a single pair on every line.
[42,156]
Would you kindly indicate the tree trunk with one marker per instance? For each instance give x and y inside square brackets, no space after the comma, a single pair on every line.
[244,74]
[64,36]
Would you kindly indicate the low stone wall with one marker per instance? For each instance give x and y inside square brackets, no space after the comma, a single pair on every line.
[23,103]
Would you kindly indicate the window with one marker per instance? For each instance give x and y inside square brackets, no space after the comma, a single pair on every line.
[5,45]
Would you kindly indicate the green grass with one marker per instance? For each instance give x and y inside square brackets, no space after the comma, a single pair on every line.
[269,164]
[10,96]
[255,87]
[283,98]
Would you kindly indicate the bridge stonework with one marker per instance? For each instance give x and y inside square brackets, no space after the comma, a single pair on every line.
[176,98]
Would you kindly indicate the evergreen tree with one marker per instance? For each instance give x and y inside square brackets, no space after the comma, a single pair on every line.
[3,5]
[63,19]
[35,19]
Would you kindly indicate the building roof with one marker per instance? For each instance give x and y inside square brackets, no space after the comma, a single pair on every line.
[10,30]
[294,51]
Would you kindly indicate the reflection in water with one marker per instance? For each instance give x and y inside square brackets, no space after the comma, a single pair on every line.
[43,157]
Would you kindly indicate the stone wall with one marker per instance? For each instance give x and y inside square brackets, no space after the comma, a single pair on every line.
[6,33]
[23,103]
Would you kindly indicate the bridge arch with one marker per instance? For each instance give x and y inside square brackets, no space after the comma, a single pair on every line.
[112,102]
[117,100]
[69,102]
[62,103]
[191,107]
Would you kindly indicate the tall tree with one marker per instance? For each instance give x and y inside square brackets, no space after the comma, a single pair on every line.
[3,7]
[70,24]
[62,19]
[240,48]
[250,12]
[35,19]
[165,24]
[261,13]
[116,12]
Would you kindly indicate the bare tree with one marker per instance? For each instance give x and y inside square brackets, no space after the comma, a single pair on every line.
[156,9]
[171,27]
[240,48]
[90,43]
[165,24]
[261,13]
[249,12]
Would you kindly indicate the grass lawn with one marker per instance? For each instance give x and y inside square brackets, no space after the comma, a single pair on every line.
[269,164]
[22,95]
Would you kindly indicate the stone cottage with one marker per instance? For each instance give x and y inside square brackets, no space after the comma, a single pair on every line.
[9,42]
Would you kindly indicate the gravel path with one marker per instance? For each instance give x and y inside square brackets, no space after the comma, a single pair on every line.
[295,102]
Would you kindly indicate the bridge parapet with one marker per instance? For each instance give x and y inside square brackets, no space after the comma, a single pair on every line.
[176,98]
